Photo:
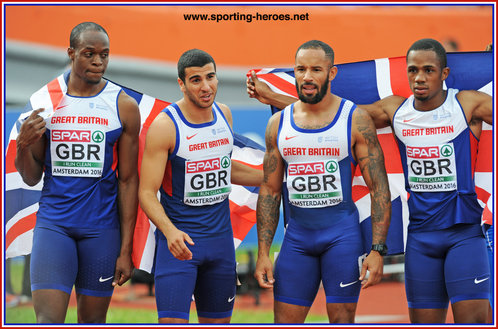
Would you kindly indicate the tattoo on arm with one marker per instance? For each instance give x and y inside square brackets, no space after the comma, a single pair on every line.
[267,213]
[373,170]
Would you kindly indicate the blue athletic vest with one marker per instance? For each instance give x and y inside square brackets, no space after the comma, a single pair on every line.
[438,153]
[319,169]
[80,183]
[196,183]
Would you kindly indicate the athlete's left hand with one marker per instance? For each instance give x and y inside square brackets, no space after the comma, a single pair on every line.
[124,268]
[374,263]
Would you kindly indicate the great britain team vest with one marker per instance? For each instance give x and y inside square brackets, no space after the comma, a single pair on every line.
[80,182]
[438,153]
[197,183]
[319,169]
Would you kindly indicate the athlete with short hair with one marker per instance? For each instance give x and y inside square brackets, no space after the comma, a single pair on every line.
[88,150]
[187,157]
[315,144]
[437,131]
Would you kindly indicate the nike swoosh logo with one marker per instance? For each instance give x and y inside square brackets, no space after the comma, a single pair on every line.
[61,107]
[291,137]
[408,120]
[230,299]
[342,285]
[190,137]
[479,281]
[106,279]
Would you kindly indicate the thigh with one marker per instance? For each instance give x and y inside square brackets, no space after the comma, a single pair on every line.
[92,309]
[424,271]
[340,268]
[174,284]
[97,254]
[297,272]
[54,259]
[50,305]
[216,279]
[467,270]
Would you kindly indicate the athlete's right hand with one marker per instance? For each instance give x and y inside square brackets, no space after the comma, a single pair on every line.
[264,272]
[176,244]
[32,129]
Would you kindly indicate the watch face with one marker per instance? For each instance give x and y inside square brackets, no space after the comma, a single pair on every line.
[381,248]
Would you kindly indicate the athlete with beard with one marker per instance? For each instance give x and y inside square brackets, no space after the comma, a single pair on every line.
[315,144]
[437,131]
[187,157]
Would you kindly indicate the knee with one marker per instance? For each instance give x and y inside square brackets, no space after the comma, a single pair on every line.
[91,318]
[42,317]
[342,313]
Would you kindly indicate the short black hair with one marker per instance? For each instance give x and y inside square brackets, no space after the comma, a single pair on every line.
[193,57]
[433,45]
[317,44]
[74,38]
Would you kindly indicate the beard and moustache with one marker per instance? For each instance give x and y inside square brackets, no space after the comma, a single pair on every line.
[317,97]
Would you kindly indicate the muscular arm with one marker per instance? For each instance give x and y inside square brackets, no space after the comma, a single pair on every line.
[370,158]
[245,175]
[127,184]
[382,111]
[160,140]
[30,144]
[478,107]
[260,90]
[267,210]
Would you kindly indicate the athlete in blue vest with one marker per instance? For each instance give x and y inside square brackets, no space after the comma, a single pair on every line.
[187,158]
[315,144]
[87,150]
[437,131]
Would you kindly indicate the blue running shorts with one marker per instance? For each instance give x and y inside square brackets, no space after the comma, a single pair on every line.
[67,256]
[210,276]
[332,255]
[446,265]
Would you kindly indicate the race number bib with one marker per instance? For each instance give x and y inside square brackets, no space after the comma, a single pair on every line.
[431,168]
[77,153]
[207,181]
[314,184]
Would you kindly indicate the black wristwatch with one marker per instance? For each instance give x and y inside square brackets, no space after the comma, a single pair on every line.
[380,248]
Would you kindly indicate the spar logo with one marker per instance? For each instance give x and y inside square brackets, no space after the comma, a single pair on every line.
[79,136]
[331,166]
[446,150]
[426,152]
[225,162]
[311,168]
[206,165]
[97,136]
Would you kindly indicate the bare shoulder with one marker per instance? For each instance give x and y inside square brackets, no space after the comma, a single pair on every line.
[128,109]
[225,109]
[274,120]
[472,96]
[226,112]
[361,117]
[477,106]
[161,134]
[162,123]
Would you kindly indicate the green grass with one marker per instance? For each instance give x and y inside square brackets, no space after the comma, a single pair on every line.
[16,273]
[25,315]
